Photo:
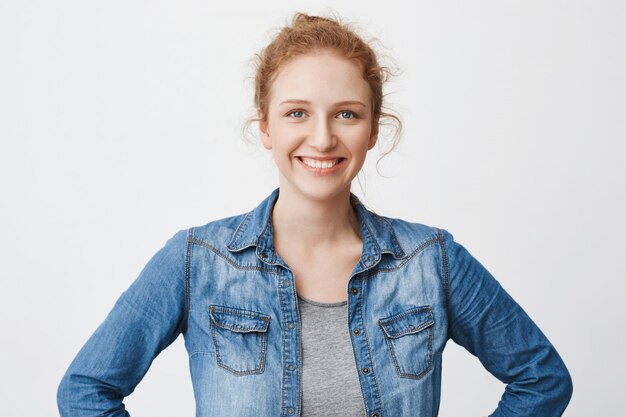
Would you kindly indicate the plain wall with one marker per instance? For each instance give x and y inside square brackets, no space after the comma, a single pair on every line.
[120,124]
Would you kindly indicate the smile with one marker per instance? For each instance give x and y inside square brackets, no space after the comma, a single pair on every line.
[314,163]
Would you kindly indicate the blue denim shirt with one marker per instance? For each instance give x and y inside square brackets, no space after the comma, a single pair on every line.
[226,289]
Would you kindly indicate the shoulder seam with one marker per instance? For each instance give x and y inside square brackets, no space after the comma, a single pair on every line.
[187,278]
[446,277]
[227,258]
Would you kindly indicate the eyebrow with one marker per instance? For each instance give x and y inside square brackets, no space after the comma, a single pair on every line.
[341,103]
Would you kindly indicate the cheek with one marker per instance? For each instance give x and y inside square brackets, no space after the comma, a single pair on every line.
[358,139]
[284,143]
[287,134]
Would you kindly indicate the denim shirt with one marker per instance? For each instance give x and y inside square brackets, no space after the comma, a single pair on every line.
[226,289]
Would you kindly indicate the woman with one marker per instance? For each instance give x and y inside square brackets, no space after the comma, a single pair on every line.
[262,298]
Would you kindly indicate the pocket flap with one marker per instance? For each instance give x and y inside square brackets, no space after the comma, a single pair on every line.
[412,320]
[239,320]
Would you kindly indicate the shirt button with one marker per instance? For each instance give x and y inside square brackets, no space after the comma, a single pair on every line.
[263,254]
[291,325]
[366,370]
[355,291]
[374,415]
[290,410]
[356,331]
[291,367]
[286,282]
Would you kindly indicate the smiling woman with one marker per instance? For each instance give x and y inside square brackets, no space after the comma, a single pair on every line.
[312,304]
[326,129]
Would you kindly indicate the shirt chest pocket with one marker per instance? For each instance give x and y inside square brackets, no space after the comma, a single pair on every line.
[409,337]
[240,339]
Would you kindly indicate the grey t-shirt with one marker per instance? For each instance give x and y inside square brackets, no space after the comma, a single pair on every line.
[330,382]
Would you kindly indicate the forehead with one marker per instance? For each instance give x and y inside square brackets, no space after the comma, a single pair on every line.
[320,77]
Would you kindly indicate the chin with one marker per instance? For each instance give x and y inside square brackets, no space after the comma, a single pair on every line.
[320,193]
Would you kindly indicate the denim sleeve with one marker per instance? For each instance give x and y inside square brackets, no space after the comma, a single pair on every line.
[486,320]
[145,319]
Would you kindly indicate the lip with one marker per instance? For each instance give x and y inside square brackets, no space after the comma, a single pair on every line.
[321,158]
[322,171]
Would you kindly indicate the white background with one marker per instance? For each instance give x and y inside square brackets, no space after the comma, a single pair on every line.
[120,124]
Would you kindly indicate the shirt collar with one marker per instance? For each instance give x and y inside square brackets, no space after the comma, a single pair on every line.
[256,230]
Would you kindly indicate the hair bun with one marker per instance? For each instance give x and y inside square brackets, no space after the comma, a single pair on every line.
[303,19]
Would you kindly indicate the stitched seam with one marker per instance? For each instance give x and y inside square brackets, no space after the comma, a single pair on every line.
[257,370]
[237,232]
[355,352]
[264,320]
[410,331]
[283,308]
[245,313]
[396,363]
[187,280]
[406,260]
[367,343]
[369,230]
[352,343]
[230,260]
[294,296]
[396,242]
[410,311]
[393,356]
[430,359]
[446,278]
[390,344]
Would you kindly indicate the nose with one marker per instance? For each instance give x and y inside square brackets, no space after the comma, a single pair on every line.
[322,138]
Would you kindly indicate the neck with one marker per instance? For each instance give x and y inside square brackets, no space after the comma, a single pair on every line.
[310,223]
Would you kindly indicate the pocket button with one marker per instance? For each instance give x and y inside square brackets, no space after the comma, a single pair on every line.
[240,339]
[409,337]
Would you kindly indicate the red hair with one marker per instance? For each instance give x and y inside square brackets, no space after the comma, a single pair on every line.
[307,34]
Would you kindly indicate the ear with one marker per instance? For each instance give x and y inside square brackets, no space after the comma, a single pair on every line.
[373,137]
[265,136]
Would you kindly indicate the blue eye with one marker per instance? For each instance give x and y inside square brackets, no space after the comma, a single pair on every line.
[346,114]
[297,113]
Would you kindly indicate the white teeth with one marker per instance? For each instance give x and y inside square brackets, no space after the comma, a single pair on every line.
[320,164]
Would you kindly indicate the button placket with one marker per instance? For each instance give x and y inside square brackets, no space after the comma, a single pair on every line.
[369,385]
[292,341]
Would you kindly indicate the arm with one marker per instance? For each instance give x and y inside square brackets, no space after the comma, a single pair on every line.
[145,319]
[485,320]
